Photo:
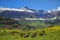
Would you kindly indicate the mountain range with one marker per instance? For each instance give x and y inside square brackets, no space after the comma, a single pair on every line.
[26,12]
[45,18]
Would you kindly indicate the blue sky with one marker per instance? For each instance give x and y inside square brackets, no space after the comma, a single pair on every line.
[34,4]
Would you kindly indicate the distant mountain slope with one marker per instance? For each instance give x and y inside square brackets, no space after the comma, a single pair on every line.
[16,13]
[26,12]
[7,23]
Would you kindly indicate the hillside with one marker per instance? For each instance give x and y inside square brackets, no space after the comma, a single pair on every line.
[51,33]
[6,23]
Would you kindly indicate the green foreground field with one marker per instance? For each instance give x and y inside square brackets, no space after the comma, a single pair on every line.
[52,33]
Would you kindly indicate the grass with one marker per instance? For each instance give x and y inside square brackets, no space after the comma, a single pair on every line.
[52,33]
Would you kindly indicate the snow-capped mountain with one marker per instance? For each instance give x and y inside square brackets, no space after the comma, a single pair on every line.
[16,13]
[26,12]
[14,9]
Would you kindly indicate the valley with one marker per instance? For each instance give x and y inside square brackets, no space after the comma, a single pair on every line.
[45,25]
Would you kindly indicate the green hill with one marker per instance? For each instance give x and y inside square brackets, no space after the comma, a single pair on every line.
[51,33]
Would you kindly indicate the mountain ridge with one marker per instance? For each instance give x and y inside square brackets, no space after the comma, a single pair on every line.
[26,12]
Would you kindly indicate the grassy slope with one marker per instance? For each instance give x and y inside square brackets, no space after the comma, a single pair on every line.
[35,24]
[53,33]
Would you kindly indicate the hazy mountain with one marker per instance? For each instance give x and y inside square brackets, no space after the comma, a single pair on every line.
[26,12]
[47,18]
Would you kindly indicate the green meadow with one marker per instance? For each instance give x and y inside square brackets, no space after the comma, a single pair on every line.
[51,33]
